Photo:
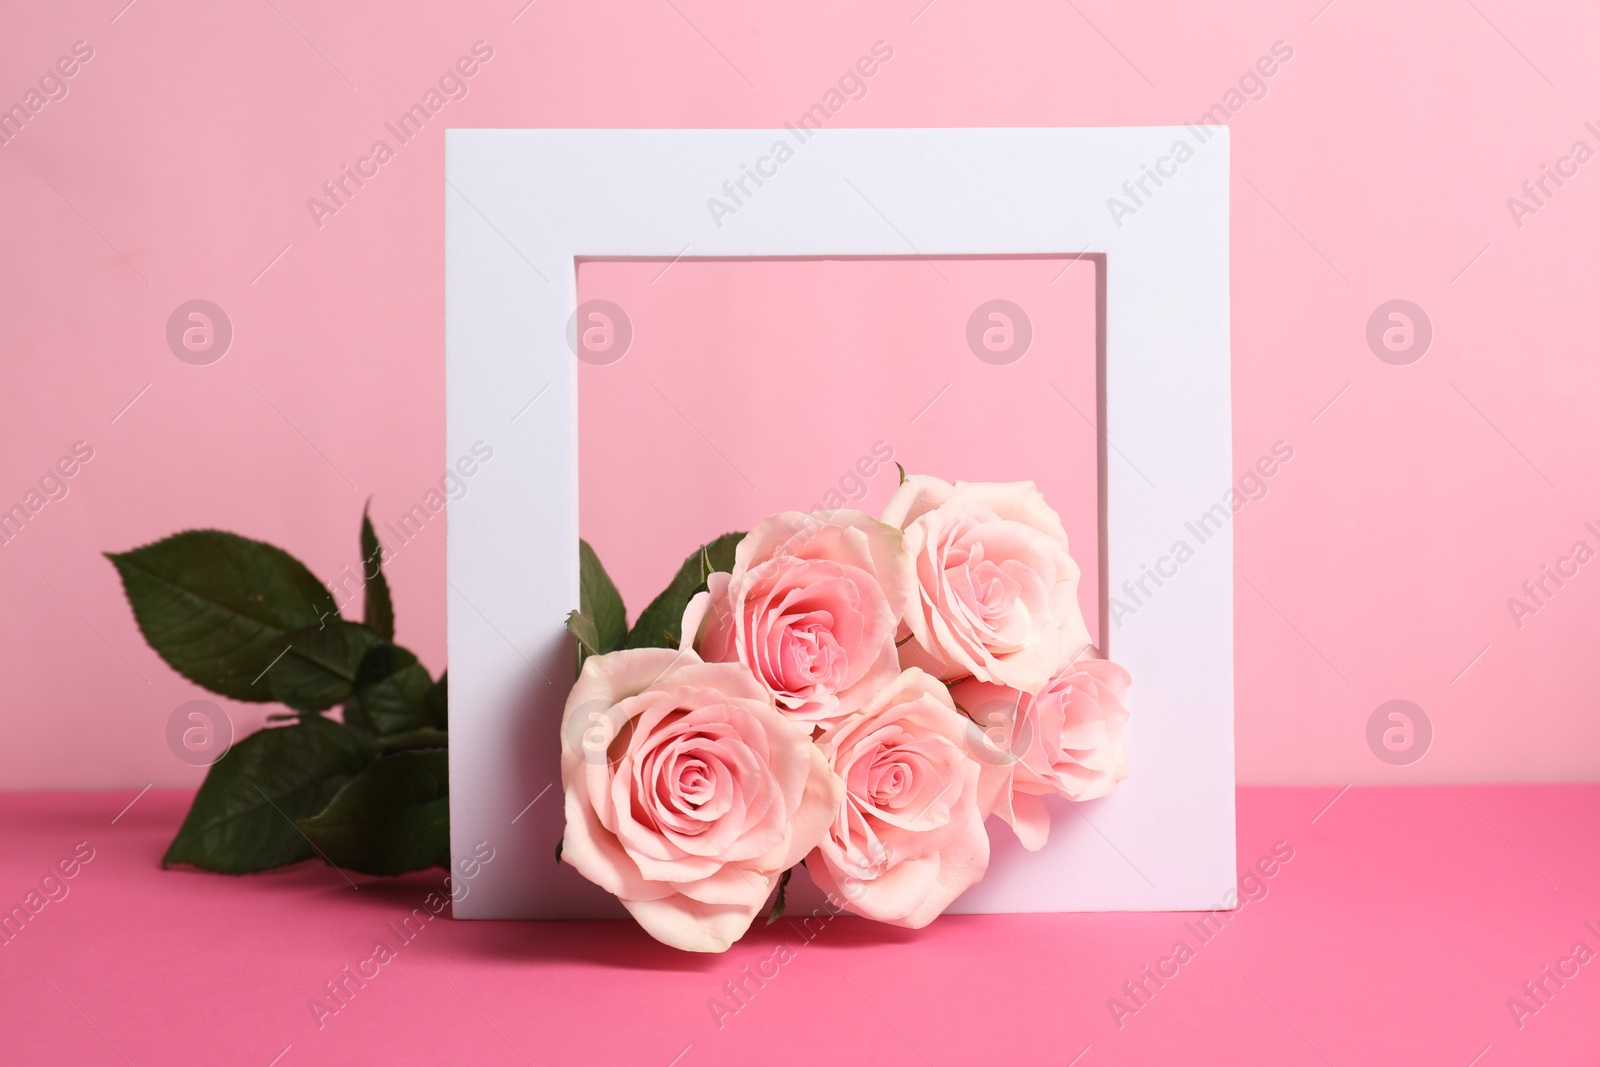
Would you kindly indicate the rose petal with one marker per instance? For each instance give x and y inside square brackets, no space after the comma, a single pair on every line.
[692,925]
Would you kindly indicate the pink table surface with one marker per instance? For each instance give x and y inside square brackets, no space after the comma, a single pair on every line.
[1398,932]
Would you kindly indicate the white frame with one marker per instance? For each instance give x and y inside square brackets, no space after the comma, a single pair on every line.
[521,204]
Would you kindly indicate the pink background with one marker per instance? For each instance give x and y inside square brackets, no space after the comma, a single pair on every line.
[1376,165]
[752,388]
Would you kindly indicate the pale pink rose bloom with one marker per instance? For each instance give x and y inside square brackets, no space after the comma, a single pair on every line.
[1065,741]
[908,837]
[997,589]
[811,607]
[687,793]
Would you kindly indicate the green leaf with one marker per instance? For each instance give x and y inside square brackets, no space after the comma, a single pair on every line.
[439,701]
[585,637]
[216,606]
[317,666]
[902,471]
[600,624]
[427,737]
[599,601]
[393,818]
[378,610]
[780,902]
[392,692]
[242,819]
[660,623]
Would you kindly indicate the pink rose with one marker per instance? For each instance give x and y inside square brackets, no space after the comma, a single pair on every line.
[1066,740]
[998,593]
[908,837]
[687,793]
[811,607]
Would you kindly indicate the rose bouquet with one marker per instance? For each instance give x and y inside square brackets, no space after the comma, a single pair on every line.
[848,694]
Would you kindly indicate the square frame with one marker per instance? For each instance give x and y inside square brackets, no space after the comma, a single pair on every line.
[522,207]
